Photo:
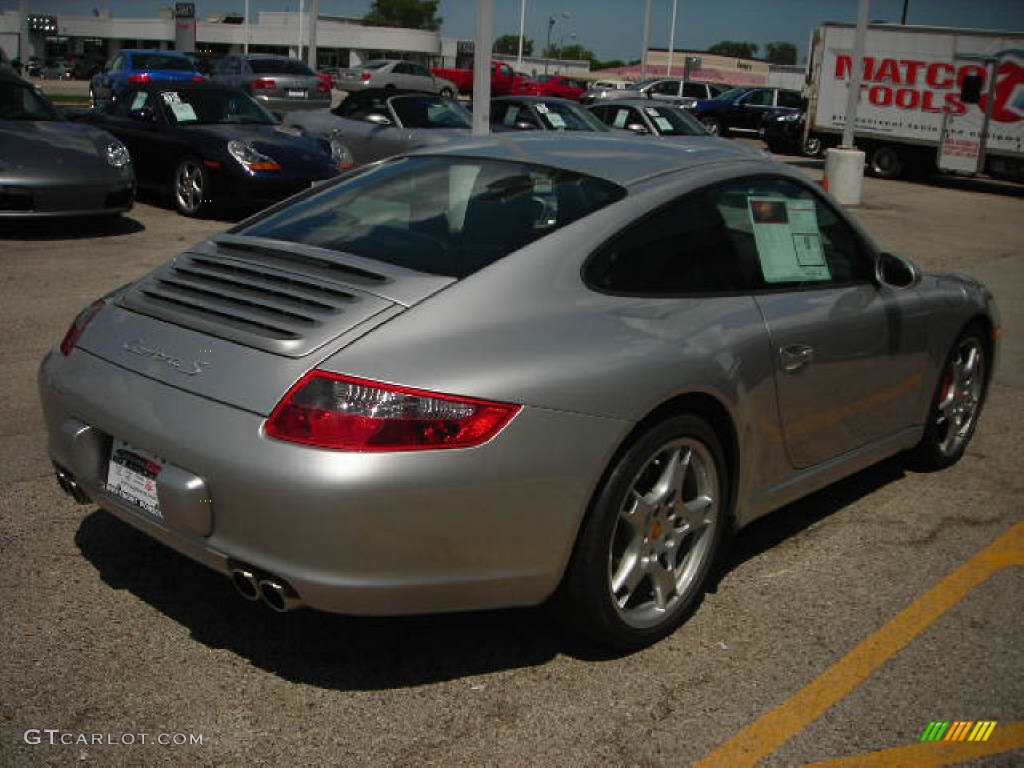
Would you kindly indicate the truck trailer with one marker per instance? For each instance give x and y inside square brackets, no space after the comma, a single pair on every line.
[931,98]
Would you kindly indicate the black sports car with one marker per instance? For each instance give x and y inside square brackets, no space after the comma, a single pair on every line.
[212,145]
[50,167]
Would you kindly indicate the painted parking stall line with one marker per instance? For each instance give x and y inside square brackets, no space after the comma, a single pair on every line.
[767,734]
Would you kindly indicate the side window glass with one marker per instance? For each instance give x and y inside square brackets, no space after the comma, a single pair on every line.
[760,99]
[789,234]
[681,249]
[667,87]
[118,64]
[790,99]
[694,89]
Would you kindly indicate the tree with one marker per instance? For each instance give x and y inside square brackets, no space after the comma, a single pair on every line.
[575,52]
[780,53]
[509,45]
[733,48]
[408,14]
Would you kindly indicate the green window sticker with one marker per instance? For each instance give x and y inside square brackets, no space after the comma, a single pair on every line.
[788,239]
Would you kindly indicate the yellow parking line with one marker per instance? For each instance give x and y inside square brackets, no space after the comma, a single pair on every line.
[765,735]
[933,754]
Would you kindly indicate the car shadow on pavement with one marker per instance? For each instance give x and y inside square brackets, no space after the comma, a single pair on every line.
[308,646]
[357,653]
[64,229]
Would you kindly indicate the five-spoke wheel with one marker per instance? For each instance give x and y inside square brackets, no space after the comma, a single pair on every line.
[190,186]
[647,547]
[956,403]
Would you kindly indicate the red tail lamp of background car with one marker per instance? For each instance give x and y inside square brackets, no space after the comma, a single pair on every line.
[334,411]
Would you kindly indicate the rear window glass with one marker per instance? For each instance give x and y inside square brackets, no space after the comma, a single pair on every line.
[160,61]
[442,215]
[279,66]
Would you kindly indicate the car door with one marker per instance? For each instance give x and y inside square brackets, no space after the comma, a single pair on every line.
[847,353]
[421,79]
[751,109]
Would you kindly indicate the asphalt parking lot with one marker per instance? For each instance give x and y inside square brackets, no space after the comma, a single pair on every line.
[840,626]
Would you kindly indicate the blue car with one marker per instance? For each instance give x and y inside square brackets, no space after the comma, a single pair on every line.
[132,67]
[745,108]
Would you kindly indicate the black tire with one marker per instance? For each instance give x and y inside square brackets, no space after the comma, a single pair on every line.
[642,559]
[956,403]
[714,126]
[812,147]
[886,162]
[190,187]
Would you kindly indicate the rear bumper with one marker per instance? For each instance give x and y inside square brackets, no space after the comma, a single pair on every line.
[359,533]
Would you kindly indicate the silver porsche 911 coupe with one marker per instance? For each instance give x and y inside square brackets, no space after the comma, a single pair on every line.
[508,370]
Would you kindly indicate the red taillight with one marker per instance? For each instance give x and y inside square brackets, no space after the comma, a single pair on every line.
[326,82]
[334,411]
[140,78]
[263,84]
[74,332]
[198,78]
[365,77]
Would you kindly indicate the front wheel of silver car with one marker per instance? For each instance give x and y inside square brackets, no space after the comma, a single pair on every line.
[956,403]
[646,549]
[190,186]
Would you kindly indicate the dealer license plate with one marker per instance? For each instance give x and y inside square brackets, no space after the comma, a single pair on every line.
[297,94]
[132,475]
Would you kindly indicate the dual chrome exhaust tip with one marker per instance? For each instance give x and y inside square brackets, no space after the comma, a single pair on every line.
[67,483]
[254,586]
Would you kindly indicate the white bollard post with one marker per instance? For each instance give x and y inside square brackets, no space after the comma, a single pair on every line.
[844,174]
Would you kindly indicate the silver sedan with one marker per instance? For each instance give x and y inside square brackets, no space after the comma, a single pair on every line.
[529,367]
[393,73]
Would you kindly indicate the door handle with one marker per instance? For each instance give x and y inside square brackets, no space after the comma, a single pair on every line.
[795,356]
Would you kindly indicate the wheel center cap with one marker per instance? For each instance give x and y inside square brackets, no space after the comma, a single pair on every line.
[656,531]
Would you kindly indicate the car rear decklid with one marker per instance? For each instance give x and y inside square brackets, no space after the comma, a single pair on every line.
[239,319]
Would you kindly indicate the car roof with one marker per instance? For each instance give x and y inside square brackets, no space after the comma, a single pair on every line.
[535,99]
[623,160]
[632,102]
[150,50]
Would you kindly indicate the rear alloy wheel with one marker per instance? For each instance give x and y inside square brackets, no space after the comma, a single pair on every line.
[885,162]
[812,146]
[646,549]
[190,187]
[956,403]
[713,126]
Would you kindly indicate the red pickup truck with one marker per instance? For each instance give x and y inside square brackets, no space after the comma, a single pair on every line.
[503,79]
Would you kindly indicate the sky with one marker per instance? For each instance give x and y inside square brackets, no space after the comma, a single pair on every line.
[614,28]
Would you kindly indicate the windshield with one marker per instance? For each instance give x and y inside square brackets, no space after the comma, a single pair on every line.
[442,215]
[22,102]
[731,94]
[638,85]
[280,66]
[561,116]
[430,112]
[669,121]
[213,107]
[160,61]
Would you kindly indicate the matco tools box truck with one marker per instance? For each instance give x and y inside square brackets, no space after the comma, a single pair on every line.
[931,97]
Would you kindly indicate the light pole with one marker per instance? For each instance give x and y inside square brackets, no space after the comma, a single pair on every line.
[547,49]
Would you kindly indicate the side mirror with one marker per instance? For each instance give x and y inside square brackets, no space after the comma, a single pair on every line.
[896,271]
[638,128]
[378,119]
[970,89]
